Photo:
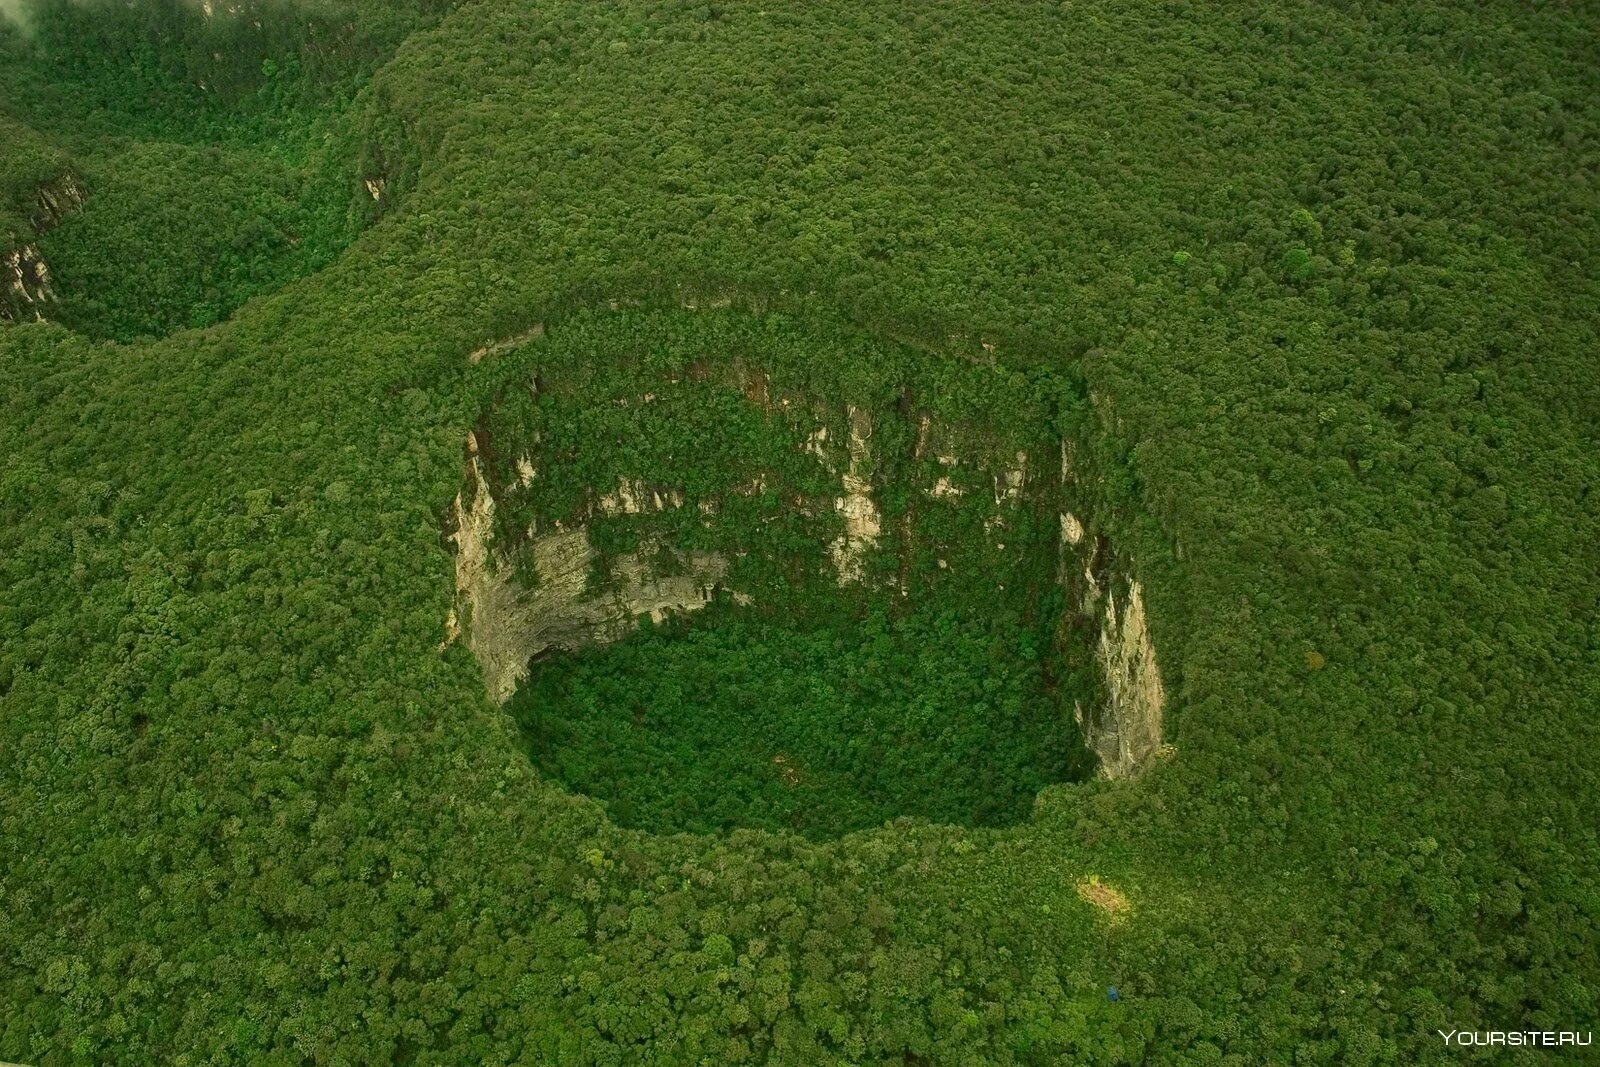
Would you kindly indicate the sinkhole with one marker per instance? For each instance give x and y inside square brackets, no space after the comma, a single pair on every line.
[728,569]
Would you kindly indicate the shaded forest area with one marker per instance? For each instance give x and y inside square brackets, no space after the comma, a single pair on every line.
[821,730]
[214,141]
[1326,272]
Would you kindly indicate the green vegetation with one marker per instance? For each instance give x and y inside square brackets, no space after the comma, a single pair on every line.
[233,227]
[31,161]
[584,424]
[934,690]
[1313,288]
[213,140]
[816,730]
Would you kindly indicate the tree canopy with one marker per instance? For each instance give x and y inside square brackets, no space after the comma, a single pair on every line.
[1324,274]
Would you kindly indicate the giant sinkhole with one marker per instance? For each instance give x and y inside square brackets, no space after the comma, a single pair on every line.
[737,569]
[217,158]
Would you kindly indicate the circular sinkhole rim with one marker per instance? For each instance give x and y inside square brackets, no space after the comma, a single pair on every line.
[1097,582]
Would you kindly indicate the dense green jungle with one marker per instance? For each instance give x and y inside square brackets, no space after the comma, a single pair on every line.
[861,534]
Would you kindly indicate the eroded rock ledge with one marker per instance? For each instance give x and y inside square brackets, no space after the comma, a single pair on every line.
[508,624]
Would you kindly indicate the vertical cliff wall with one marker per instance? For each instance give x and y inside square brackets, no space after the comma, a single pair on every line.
[1106,609]
[27,285]
[26,288]
[509,621]
[1124,731]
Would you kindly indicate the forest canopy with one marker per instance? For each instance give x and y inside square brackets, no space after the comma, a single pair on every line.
[1319,282]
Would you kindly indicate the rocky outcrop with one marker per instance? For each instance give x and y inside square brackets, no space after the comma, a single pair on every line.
[55,200]
[1071,529]
[1123,727]
[26,287]
[634,497]
[1008,483]
[507,622]
[863,522]
[494,348]
[1125,731]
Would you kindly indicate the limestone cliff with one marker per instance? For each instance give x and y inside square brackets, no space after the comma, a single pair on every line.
[507,624]
[55,200]
[26,287]
[902,501]
[1123,727]
[863,522]
[1125,731]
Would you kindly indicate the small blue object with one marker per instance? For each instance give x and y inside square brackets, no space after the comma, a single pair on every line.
[1112,994]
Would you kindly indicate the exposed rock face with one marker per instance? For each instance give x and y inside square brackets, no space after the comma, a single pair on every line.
[1125,733]
[862,520]
[57,199]
[1123,730]
[1008,483]
[634,497]
[25,284]
[507,624]
[495,348]
[1071,529]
